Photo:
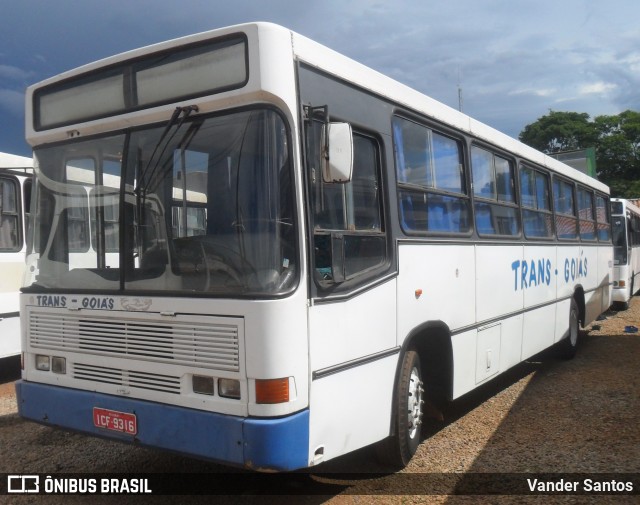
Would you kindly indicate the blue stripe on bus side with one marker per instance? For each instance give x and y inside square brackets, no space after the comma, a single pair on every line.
[280,444]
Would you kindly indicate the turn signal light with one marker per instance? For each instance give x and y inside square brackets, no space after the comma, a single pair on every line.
[272,390]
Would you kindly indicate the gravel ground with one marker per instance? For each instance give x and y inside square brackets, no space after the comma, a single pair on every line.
[544,416]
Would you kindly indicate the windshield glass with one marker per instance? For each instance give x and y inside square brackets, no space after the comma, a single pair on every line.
[199,206]
[619,240]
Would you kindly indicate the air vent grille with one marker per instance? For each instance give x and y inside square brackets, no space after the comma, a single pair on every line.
[208,342]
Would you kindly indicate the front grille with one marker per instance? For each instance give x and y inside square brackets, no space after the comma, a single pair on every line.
[208,342]
[127,378]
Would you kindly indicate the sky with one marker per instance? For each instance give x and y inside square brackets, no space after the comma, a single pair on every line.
[513,60]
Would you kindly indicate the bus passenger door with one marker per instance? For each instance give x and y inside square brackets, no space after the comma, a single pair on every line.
[352,318]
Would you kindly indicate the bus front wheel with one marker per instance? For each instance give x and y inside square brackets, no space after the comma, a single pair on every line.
[408,411]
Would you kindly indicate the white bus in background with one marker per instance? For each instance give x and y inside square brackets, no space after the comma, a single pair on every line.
[625,228]
[308,256]
[15,194]
[85,239]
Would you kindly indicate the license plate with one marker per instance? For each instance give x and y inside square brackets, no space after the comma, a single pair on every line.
[123,422]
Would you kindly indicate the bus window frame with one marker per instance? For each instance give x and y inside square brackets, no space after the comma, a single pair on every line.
[607,211]
[593,221]
[464,199]
[558,214]
[128,70]
[547,212]
[336,236]
[19,214]
[516,204]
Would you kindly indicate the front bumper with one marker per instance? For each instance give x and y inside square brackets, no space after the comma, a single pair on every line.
[280,444]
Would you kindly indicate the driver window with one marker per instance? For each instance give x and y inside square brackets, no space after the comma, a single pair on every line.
[353,211]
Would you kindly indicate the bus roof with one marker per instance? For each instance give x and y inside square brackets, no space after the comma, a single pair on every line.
[12,161]
[330,61]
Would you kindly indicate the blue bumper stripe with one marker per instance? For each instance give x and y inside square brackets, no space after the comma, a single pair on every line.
[264,444]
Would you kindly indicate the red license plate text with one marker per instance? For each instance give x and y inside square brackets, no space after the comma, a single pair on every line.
[115,421]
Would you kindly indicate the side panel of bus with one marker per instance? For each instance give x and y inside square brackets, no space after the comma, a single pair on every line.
[538,280]
[626,239]
[350,396]
[437,289]
[12,249]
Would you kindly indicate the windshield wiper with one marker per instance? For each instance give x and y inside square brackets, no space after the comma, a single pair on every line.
[177,118]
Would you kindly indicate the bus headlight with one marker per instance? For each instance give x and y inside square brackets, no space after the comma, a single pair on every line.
[229,388]
[202,385]
[43,363]
[58,365]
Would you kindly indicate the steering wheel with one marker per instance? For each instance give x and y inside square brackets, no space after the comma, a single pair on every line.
[221,262]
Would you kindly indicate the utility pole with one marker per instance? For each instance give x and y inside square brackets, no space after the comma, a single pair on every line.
[459,92]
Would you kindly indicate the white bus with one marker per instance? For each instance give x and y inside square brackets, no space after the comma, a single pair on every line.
[15,193]
[625,228]
[365,253]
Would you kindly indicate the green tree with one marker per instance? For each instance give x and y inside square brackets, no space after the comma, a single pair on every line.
[560,131]
[618,147]
[616,139]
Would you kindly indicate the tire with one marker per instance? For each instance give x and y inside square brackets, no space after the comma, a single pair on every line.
[569,345]
[398,449]
[620,306]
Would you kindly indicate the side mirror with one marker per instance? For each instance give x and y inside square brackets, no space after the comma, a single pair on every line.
[338,155]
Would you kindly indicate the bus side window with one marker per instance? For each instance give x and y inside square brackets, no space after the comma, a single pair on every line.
[586,214]
[565,208]
[431,180]
[602,219]
[536,204]
[9,216]
[28,220]
[494,189]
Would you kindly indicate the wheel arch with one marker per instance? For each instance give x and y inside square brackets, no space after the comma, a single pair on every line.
[432,341]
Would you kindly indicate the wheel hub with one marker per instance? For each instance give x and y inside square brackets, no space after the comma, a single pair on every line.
[415,402]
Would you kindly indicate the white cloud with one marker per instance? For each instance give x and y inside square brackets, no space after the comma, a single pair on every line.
[541,92]
[597,88]
[12,101]
[14,73]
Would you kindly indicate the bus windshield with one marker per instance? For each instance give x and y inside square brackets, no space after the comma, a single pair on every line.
[199,205]
[619,236]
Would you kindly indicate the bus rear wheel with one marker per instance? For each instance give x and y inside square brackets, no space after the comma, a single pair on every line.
[569,345]
[398,450]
